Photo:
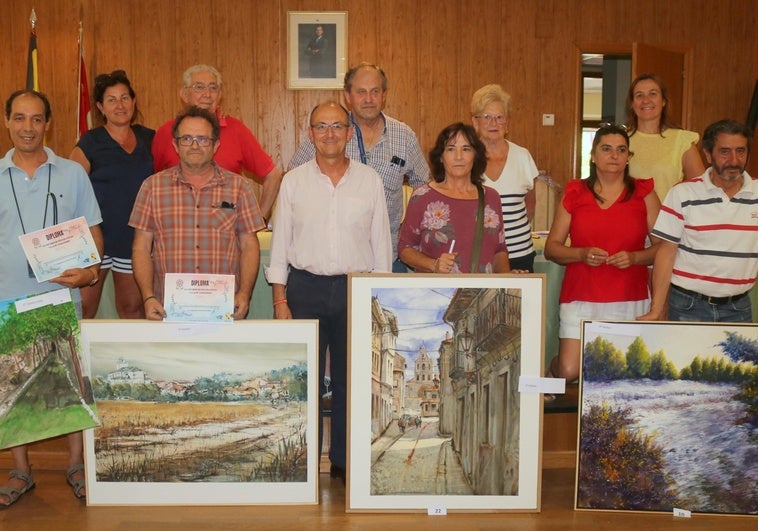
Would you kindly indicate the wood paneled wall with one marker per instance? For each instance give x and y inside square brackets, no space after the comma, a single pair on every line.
[436,55]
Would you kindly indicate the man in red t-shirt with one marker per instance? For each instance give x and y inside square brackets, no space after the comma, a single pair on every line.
[238,148]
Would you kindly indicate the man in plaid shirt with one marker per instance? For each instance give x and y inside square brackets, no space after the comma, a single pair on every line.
[195,218]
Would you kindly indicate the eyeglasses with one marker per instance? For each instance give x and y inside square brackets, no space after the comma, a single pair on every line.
[611,125]
[336,127]
[202,87]
[188,140]
[499,118]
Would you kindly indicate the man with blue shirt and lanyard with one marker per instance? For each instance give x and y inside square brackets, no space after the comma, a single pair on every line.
[39,189]
[387,145]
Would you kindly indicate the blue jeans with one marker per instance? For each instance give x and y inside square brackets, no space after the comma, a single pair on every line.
[686,307]
[399,267]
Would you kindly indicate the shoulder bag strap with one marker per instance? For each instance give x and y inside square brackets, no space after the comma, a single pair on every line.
[477,245]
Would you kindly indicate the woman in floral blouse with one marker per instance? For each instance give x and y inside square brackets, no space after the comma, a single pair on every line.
[438,231]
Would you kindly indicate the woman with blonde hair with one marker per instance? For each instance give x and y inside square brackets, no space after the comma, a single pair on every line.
[510,171]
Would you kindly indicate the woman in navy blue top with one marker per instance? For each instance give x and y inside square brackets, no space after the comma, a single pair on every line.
[117,156]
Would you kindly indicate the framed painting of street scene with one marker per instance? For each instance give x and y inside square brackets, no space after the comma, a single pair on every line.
[195,414]
[44,388]
[436,421]
[316,49]
[668,417]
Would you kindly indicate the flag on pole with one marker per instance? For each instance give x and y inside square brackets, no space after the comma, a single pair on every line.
[32,76]
[84,118]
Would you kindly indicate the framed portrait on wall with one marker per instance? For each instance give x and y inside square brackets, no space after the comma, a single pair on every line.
[316,49]
[437,419]
[197,414]
[667,417]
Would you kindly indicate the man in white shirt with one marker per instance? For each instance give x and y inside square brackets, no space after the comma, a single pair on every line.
[330,220]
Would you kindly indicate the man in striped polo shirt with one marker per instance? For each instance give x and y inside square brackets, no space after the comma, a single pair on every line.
[708,257]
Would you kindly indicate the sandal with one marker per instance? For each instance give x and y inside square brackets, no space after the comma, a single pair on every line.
[13,494]
[79,486]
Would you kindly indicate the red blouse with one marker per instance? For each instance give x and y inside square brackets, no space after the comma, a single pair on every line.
[620,227]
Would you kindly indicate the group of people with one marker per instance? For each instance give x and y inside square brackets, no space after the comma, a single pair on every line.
[173,201]
[634,211]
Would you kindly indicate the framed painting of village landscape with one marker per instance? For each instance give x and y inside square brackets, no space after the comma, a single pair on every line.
[195,414]
[668,418]
[437,422]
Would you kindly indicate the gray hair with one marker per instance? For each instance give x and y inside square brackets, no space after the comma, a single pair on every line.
[350,75]
[194,69]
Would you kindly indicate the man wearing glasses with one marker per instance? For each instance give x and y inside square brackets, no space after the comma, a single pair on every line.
[238,150]
[330,220]
[195,218]
[387,145]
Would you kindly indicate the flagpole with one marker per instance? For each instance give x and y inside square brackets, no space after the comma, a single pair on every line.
[79,82]
[32,80]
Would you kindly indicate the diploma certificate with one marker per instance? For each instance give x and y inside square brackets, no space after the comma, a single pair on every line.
[52,250]
[198,298]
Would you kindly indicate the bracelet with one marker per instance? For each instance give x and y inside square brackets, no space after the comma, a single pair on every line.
[436,266]
[280,301]
[148,298]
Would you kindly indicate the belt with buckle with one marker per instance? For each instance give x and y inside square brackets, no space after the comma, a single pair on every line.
[710,300]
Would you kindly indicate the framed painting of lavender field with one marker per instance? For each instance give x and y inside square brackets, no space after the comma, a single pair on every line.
[196,414]
[668,417]
[437,420]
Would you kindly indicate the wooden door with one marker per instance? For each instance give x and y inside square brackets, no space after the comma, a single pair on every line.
[671,66]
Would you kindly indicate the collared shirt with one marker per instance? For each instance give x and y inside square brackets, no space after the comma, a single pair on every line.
[327,229]
[396,155]
[238,149]
[717,237]
[70,194]
[195,230]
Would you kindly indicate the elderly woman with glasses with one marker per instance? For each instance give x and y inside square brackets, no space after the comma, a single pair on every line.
[510,171]
[439,232]
[607,218]
[662,150]
[117,156]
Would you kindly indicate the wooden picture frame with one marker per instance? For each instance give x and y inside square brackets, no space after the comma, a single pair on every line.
[437,422]
[195,414]
[665,417]
[316,49]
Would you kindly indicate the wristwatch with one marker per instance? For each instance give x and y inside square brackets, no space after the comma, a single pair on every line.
[96,279]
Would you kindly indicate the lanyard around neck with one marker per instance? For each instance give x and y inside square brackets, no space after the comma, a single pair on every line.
[359,139]
[48,195]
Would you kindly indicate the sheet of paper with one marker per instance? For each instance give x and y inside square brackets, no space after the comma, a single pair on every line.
[52,250]
[536,384]
[190,298]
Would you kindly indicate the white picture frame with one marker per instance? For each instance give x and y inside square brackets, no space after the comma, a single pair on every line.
[208,453]
[505,348]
